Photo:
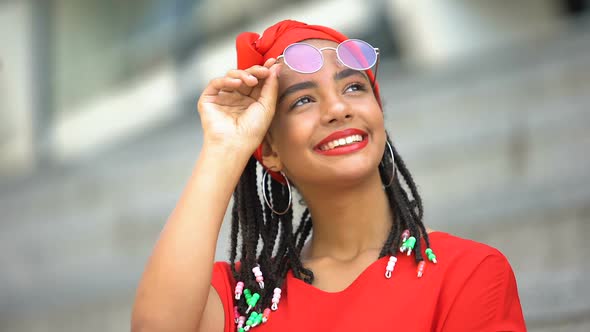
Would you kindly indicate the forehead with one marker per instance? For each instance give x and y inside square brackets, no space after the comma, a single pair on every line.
[319,43]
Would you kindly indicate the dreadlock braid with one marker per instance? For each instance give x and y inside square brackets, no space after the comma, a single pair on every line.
[304,229]
[235,228]
[281,246]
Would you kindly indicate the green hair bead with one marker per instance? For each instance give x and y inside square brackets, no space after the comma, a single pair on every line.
[430,254]
[258,319]
[254,319]
[408,245]
[253,300]
[247,294]
[410,242]
[251,319]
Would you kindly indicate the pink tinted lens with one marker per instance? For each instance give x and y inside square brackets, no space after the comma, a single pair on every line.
[303,58]
[357,54]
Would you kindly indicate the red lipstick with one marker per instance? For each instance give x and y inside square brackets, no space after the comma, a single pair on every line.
[348,148]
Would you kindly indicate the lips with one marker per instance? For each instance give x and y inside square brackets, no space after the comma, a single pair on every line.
[342,142]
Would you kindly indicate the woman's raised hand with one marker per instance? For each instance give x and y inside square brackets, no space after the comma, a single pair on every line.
[237,109]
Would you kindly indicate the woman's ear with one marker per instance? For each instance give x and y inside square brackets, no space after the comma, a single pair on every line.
[270,158]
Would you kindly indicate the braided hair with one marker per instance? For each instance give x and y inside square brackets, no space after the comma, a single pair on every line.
[281,245]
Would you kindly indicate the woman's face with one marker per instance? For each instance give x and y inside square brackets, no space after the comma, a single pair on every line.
[316,113]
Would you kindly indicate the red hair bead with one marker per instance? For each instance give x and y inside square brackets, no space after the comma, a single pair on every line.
[420,269]
[265,315]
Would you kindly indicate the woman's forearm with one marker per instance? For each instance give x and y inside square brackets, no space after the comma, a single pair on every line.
[175,284]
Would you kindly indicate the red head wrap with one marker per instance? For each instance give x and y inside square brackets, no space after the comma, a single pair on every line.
[254,49]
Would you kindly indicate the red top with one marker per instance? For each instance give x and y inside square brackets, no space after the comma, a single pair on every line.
[471,288]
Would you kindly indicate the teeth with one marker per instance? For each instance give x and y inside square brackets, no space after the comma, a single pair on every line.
[341,141]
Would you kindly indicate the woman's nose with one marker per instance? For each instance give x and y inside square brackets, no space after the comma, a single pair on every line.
[335,109]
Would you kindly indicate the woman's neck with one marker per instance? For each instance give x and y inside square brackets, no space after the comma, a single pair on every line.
[348,222]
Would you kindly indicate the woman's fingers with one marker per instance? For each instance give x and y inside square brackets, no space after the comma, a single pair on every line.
[264,72]
[268,63]
[250,78]
[246,82]
[249,81]
[222,84]
[245,76]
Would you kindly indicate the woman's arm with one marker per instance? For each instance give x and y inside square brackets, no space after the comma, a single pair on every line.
[174,291]
[176,282]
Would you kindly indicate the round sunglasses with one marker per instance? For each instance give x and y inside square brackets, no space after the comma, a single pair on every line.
[307,59]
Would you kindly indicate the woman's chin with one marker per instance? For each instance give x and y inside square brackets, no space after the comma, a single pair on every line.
[346,177]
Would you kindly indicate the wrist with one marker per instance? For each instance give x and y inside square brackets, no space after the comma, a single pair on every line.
[219,167]
[224,150]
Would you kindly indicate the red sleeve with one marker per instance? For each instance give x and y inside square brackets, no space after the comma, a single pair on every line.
[487,300]
[222,281]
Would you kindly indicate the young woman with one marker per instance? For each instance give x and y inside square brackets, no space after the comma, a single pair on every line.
[305,105]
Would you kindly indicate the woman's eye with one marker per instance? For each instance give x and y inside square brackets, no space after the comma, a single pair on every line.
[301,101]
[355,87]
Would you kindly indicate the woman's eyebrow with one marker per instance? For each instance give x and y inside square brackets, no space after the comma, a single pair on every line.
[347,73]
[296,87]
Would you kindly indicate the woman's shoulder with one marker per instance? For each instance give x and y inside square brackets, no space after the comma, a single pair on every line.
[478,286]
[464,252]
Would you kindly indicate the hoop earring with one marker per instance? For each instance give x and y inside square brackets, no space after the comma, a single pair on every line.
[392,162]
[268,201]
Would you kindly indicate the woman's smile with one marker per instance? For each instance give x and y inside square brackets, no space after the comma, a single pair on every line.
[342,142]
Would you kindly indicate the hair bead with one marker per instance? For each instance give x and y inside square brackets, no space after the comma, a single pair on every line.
[420,268]
[250,321]
[430,254]
[252,301]
[254,320]
[258,276]
[239,289]
[276,297]
[241,321]
[236,314]
[408,245]
[390,266]
[265,315]
[405,235]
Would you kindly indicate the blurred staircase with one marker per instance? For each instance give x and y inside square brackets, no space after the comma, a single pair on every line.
[499,148]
